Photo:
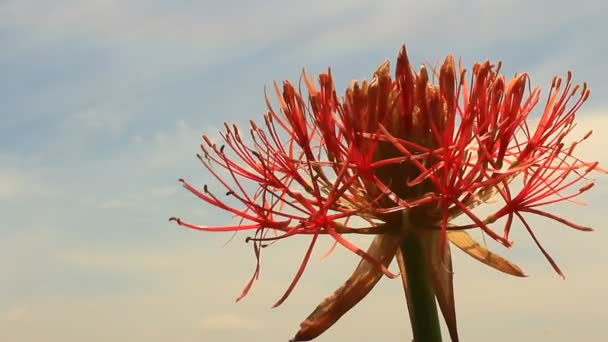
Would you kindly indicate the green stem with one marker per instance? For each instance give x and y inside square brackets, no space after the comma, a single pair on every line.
[421,297]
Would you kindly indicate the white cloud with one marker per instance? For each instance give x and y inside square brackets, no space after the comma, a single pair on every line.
[106,120]
[138,198]
[116,204]
[155,259]
[206,23]
[18,183]
[228,322]
[11,184]
[168,146]
[424,22]
[163,191]
[16,313]
[594,148]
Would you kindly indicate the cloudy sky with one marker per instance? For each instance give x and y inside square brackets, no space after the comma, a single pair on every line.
[102,106]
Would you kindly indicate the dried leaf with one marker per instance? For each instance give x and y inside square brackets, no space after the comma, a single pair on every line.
[465,242]
[356,287]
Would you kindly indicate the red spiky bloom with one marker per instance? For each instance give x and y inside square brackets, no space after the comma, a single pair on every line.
[398,152]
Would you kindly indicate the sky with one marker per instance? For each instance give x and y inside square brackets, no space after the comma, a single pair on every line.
[102,108]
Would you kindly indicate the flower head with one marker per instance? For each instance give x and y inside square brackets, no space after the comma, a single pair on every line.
[404,154]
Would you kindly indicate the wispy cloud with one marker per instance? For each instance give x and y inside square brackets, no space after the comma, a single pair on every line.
[16,314]
[207,23]
[103,107]
[228,322]
[20,183]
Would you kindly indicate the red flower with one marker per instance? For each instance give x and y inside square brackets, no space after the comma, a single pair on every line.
[404,155]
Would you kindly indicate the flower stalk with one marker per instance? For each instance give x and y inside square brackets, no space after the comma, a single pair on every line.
[419,290]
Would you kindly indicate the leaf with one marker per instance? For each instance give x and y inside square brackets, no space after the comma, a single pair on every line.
[355,288]
[467,244]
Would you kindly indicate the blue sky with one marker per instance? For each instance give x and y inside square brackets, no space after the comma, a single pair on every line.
[102,107]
